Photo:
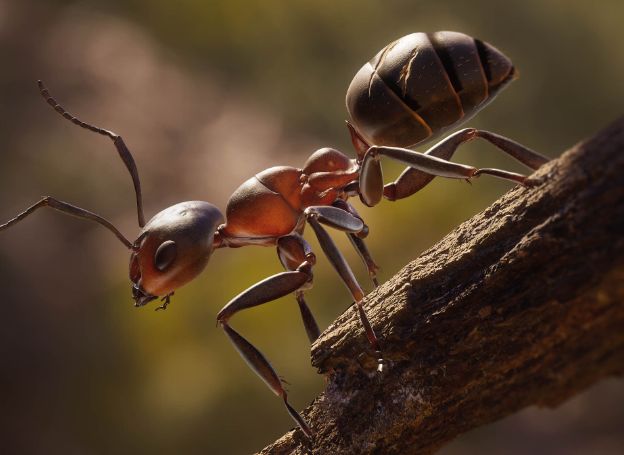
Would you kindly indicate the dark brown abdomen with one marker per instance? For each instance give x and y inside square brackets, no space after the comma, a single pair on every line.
[422,85]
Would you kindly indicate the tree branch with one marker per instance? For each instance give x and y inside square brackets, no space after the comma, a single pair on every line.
[521,305]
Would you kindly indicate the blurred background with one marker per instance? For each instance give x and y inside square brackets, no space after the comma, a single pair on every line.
[206,94]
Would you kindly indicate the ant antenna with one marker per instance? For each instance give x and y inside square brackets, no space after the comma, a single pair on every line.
[123,151]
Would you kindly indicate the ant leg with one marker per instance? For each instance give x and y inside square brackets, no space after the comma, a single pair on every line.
[292,251]
[122,150]
[318,214]
[362,249]
[311,327]
[69,209]
[335,217]
[263,368]
[357,240]
[166,300]
[412,180]
[371,182]
[265,291]
[360,144]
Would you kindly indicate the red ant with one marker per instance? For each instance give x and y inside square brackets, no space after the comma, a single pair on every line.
[415,88]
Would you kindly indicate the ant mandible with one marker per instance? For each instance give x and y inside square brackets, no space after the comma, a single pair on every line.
[414,89]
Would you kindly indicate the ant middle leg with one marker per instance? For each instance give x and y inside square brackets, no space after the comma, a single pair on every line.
[344,221]
[357,240]
[292,251]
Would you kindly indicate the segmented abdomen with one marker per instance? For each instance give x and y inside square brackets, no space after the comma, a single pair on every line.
[424,84]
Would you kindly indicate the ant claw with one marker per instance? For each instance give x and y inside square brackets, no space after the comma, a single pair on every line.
[530,183]
[166,301]
[380,362]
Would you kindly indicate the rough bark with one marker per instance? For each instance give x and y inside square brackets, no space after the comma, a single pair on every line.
[521,305]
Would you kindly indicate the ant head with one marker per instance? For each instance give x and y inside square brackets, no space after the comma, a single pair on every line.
[173,248]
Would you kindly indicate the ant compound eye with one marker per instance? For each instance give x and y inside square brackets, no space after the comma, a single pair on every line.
[165,255]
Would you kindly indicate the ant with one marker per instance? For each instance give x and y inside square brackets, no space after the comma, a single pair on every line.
[415,88]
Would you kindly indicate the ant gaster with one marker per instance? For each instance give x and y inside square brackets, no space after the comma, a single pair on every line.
[414,89]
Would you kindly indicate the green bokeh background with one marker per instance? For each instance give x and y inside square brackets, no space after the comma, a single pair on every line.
[207,93]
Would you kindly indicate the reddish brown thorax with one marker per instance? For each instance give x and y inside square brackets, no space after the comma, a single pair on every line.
[271,203]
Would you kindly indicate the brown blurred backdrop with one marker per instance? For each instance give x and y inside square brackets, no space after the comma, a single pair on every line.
[205,95]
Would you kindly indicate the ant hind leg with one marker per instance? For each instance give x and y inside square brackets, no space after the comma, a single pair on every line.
[412,180]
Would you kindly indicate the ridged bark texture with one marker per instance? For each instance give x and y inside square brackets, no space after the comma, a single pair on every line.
[521,305]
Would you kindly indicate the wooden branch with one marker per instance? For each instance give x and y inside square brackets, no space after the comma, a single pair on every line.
[521,305]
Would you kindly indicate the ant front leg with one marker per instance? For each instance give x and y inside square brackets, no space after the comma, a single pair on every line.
[412,179]
[293,251]
[265,291]
[166,300]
